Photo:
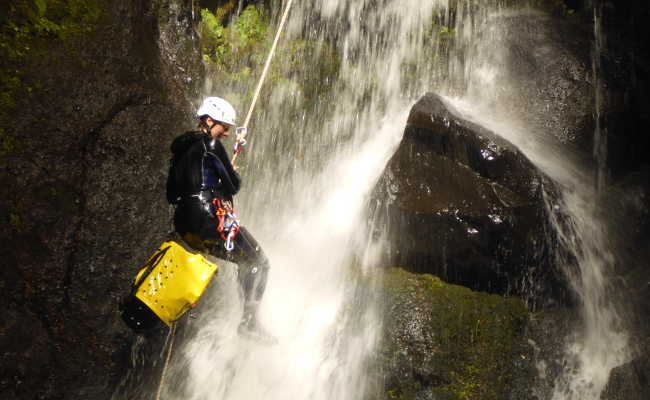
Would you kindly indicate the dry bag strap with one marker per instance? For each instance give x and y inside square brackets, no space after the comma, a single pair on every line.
[153,261]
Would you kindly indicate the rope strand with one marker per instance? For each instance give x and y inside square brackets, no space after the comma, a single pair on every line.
[264,73]
[169,356]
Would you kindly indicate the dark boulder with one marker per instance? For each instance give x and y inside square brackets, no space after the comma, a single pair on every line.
[464,204]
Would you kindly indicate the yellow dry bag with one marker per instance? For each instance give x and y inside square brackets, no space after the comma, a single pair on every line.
[173,280]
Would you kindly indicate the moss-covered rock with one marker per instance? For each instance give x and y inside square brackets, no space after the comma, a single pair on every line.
[447,342]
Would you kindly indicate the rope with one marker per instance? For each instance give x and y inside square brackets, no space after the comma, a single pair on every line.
[264,72]
[169,356]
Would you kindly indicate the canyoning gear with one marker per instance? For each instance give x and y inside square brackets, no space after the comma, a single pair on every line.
[200,163]
[239,145]
[169,284]
[204,219]
[138,316]
[227,222]
[208,217]
[241,133]
[218,109]
[202,183]
[252,264]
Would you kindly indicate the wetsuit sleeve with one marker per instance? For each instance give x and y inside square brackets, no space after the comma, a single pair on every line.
[218,150]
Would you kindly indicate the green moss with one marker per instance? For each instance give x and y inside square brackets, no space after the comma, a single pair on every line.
[16,222]
[26,28]
[236,48]
[471,336]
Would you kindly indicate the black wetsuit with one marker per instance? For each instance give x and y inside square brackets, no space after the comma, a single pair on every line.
[201,171]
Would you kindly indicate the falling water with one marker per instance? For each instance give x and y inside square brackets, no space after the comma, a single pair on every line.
[314,156]
[598,342]
[600,132]
[312,161]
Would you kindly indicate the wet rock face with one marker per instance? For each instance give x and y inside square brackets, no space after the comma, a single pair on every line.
[630,381]
[625,63]
[463,204]
[84,200]
[538,68]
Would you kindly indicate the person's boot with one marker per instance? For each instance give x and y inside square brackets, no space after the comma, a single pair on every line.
[250,328]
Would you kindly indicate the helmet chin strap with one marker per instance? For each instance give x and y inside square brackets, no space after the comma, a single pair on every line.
[210,127]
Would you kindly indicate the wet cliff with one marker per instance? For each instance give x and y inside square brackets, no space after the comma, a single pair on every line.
[93,93]
[625,168]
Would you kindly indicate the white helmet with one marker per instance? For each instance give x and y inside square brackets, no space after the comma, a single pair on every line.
[218,109]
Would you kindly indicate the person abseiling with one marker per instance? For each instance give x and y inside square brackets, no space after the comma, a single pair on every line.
[202,183]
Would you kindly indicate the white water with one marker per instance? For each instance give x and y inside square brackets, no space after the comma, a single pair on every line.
[599,341]
[308,177]
[600,132]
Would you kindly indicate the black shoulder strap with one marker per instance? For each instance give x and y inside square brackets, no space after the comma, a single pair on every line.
[150,265]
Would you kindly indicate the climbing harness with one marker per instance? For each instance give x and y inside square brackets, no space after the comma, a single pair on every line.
[244,129]
[227,222]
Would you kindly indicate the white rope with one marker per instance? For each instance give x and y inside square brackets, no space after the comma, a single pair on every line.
[264,73]
[169,356]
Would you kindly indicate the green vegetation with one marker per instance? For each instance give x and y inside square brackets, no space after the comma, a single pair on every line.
[457,343]
[26,27]
[235,50]
[16,222]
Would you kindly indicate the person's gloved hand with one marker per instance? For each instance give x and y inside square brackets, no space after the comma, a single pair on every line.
[240,142]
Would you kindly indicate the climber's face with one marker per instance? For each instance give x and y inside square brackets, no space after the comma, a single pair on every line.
[218,130]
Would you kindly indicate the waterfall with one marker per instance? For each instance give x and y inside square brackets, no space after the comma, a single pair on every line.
[598,342]
[313,158]
[315,154]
